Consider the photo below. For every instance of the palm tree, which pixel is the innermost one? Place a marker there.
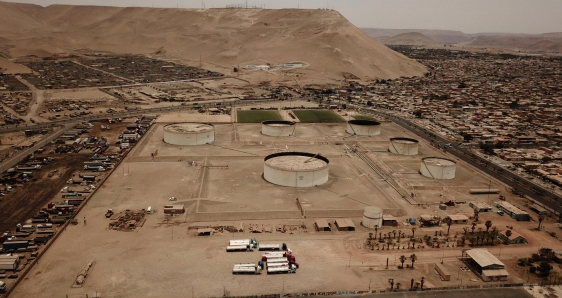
(472, 240)
(398, 285)
(465, 229)
(494, 234)
(413, 231)
(476, 215)
(473, 226)
(449, 222)
(394, 232)
(413, 257)
(376, 230)
(508, 233)
(421, 282)
(388, 242)
(391, 282)
(402, 260)
(413, 242)
(541, 218)
(488, 225)
(479, 230)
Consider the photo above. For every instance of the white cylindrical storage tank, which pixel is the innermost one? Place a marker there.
(189, 134)
(438, 168)
(296, 169)
(403, 146)
(278, 128)
(372, 216)
(363, 127)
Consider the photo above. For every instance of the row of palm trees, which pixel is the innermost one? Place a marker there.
(417, 284)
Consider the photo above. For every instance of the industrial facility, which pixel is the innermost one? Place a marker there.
(438, 168)
(296, 169)
(189, 134)
(403, 146)
(278, 128)
(372, 216)
(363, 127)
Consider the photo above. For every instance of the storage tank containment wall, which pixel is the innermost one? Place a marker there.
(403, 146)
(364, 127)
(438, 168)
(277, 128)
(189, 134)
(296, 169)
(372, 216)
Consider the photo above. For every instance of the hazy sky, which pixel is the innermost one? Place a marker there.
(469, 16)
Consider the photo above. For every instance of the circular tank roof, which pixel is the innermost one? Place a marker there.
(404, 140)
(278, 123)
(364, 122)
(188, 127)
(438, 161)
(296, 161)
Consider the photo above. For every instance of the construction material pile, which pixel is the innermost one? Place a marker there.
(127, 220)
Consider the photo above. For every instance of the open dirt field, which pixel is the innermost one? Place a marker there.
(141, 262)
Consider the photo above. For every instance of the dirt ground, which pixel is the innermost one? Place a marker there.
(140, 263)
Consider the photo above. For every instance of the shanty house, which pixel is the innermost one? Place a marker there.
(458, 218)
(514, 238)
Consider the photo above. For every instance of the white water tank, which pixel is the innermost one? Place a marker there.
(372, 216)
(296, 169)
(278, 128)
(363, 127)
(403, 146)
(438, 168)
(189, 134)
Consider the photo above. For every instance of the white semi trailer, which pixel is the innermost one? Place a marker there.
(281, 268)
(246, 268)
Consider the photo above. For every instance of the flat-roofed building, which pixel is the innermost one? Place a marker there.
(485, 264)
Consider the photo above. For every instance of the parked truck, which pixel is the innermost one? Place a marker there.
(232, 248)
(281, 268)
(75, 201)
(14, 245)
(30, 168)
(246, 268)
(94, 168)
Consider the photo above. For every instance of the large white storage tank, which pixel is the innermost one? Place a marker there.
(296, 169)
(363, 127)
(438, 168)
(403, 146)
(372, 216)
(189, 134)
(278, 128)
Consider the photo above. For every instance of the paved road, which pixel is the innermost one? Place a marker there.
(469, 293)
(17, 158)
(538, 193)
(138, 112)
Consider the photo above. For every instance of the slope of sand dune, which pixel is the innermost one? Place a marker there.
(222, 37)
(410, 38)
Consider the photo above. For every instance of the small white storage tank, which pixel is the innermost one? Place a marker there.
(278, 128)
(403, 146)
(372, 216)
(438, 168)
(189, 134)
(296, 169)
(363, 127)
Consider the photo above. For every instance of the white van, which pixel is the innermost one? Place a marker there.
(149, 210)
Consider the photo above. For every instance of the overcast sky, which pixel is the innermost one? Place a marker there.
(469, 16)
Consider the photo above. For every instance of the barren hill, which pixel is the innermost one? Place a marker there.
(443, 36)
(550, 42)
(219, 37)
(410, 38)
